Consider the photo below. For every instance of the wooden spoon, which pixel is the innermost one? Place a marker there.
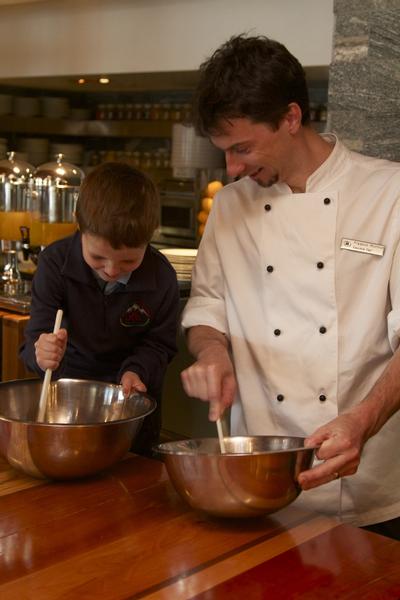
(221, 437)
(47, 377)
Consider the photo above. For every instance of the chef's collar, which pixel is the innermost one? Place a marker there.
(331, 169)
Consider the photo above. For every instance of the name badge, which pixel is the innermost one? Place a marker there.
(364, 247)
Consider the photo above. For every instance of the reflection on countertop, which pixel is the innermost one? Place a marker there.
(16, 296)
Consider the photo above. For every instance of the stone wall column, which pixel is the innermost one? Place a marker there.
(364, 77)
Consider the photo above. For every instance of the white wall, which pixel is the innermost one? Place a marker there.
(61, 37)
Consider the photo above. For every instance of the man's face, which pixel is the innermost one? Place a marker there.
(254, 149)
(109, 263)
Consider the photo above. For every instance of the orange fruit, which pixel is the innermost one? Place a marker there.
(206, 204)
(202, 216)
(213, 187)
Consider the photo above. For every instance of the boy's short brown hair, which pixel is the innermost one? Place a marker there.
(120, 204)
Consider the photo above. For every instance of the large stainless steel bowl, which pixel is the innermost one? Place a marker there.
(88, 426)
(256, 475)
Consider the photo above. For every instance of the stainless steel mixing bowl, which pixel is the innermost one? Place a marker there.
(256, 475)
(88, 426)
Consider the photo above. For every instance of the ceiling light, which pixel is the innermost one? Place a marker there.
(81, 81)
(104, 80)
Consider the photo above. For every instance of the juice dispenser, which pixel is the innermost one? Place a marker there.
(16, 180)
(55, 192)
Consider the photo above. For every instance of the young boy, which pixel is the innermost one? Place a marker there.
(119, 295)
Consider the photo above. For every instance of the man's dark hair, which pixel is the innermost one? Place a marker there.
(252, 77)
(120, 204)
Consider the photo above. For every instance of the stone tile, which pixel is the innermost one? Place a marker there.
(348, 86)
(352, 25)
(349, 123)
(384, 35)
(356, 7)
(385, 128)
(364, 77)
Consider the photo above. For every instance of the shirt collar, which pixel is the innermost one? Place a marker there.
(331, 169)
(122, 279)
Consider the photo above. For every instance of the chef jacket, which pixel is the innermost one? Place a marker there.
(131, 329)
(306, 286)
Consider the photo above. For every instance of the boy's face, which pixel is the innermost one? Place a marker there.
(109, 263)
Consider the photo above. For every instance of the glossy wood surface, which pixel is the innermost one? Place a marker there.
(13, 327)
(126, 534)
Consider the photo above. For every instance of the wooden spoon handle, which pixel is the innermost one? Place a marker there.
(47, 376)
(221, 437)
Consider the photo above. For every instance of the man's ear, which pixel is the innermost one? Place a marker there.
(293, 117)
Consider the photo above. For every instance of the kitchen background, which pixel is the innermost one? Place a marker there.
(98, 81)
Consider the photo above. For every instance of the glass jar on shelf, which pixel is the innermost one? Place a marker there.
(322, 113)
(146, 162)
(155, 112)
(146, 111)
(138, 111)
(128, 157)
(176, 112)
(165, 158)
(120, 112)
(313, 112)
(101, 112)
(165, 111)
(129, 112)
(110, 156)
(94, 158)
(110, 112)
(157, 159)
(186, 112)
(136, 159)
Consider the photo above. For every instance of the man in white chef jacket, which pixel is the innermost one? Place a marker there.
(294, 314)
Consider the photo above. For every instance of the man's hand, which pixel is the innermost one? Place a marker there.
(50, 349)
(341, 440)
(339, 443)
(131, 382)
(212, 379)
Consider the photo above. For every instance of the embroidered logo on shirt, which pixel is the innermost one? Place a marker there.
(136, 315)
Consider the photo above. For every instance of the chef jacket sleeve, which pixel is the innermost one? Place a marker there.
(206, 305)
(393, 319)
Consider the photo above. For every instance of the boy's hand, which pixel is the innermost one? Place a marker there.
(132, 383)
(50, 349)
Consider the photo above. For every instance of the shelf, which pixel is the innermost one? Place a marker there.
(65, 127)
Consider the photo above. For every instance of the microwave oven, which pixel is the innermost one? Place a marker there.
(179, 205)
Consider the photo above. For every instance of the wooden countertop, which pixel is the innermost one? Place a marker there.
(126, 534)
